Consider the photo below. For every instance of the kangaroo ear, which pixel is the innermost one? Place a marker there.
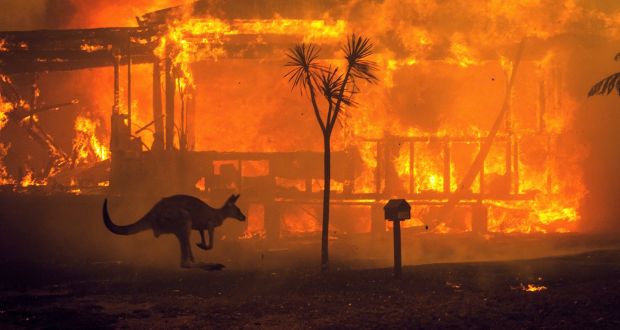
(235, 197)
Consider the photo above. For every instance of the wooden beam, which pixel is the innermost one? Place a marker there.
(170, 89)
(158, 116)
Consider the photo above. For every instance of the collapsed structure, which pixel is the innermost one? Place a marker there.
(518, 185)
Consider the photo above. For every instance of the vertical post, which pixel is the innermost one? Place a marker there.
(397, 255)
(272, 219)
(515, 165)
(481, 177)
(547, 160)
(157, 109)
(240, 175)
(542, 107)
(377, 224)
(509, 119)
(508, 174)
(115, 122)
(411, 167)
(191, 119)
(117, 98)
(446, 167)
(182, 127)
(129, 86)
(388, 166)
(170, 89)
(379, 168)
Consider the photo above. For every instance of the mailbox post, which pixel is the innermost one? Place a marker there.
(397, 210)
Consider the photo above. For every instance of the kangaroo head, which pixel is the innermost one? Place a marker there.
(232, 211)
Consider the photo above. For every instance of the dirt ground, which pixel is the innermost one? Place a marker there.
(581, 292)
(61, 268)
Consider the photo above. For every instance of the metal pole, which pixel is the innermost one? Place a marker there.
(397, 256)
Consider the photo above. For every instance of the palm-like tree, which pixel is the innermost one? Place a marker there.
(337, 89)
(607, 85)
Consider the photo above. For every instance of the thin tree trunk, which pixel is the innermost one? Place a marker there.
(326, 192)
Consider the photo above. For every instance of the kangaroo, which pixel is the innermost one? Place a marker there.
(178, 215)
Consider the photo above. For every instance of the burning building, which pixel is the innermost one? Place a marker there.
(191, 99)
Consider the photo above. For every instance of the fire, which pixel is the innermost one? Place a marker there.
(4, 176)
(86, 145)
(462, 55)
(300, 220)
(191, 39)
(533, 288)
(312, 30)
(91, 48)
(4, 108)
(29, 180)
(256, 222)
(431, 88)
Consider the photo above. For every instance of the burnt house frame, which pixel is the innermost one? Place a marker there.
(62, 50)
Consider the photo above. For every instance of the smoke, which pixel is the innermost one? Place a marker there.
(22, 15)
(440, 72)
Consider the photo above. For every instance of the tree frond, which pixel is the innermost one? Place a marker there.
(302, 61)
(606, 85)
(356, 51)
(330, 83)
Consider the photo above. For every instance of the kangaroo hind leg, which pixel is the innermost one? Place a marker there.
(202, 243)
(187, 258)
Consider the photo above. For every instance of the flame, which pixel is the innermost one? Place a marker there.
(29, 180)
(550, 177)
(533, 288)
(256, 222)
(4, 108)
(91, 48)
(300, 220)
(191, 39)
(4, 176)
(312, 30)
(462, 55)
(86, 146)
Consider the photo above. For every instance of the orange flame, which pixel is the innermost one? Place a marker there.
(86, 145)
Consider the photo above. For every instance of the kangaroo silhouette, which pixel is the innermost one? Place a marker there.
(178, 215)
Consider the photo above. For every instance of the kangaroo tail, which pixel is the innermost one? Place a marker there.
(134, 228)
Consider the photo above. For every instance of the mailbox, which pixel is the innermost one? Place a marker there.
(397, 210)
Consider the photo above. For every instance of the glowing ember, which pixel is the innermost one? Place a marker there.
(4, 176)
(29, 180)
(256, 222)
(533, 288)
(91, 48)
(4, 108)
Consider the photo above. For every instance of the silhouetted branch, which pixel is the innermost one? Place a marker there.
(607, 85)
(304, 73)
